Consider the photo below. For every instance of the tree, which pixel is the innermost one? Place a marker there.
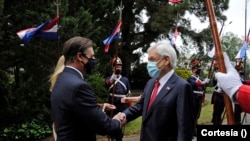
(231, 44)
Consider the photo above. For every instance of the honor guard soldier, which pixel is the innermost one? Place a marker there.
(237, 109)
(118, 87)
(198, 84)
(217, 99)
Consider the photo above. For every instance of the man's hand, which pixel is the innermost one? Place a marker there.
(109, 107)
(206, 81)
(217, 88)
(113, 77)
(121, 117)
(230, 81)
(130, 99)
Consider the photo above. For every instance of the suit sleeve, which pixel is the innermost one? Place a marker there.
(185, 112)
(244, 98)
(135, 111)
(86, 106)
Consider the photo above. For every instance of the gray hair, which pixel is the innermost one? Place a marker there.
(164, 48)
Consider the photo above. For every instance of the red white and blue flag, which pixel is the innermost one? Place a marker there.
(115, 35)
(175, 35)
(211, 52)
(45, 30)
(242, 52)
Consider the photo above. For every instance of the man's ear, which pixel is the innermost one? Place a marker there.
(167, 60)
(80, 57)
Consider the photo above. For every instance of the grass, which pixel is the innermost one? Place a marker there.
(133, 127)
(206, 113)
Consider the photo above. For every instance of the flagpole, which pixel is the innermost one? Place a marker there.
(117, 44)
(246, 36)
(57, 3)
(219, 55)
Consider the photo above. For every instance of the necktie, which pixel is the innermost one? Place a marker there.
(154, 94)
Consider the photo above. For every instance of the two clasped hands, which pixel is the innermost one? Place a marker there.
(121, 117)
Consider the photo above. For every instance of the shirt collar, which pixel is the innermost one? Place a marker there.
(76, 70)
(166, 77)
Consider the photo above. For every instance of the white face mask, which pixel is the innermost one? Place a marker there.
(153, 70)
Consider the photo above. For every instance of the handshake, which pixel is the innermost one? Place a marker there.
(121, 117)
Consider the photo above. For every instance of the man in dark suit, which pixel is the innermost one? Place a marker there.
(171, 115)
(76, 113)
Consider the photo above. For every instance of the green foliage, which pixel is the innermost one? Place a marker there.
(184, 73)
(33, 130)
(139, 76)
(209, 90)
(97, 82)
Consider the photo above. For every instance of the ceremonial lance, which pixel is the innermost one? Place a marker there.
(219, 56)
(117, 44)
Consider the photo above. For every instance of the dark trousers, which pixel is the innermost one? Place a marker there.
(198, 105)
(237, 113)
(119, 108)
(218, 107)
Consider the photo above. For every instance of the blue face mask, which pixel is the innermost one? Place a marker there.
(153, 70)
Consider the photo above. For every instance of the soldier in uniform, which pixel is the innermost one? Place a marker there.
(217, 99)
(198, 84)
(118, 87)
(237, 109)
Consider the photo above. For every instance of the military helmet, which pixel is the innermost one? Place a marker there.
(239, 66)
(116, 61)
(196, 64)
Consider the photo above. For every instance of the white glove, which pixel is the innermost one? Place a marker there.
(113, 77)
(206, 81)
(217, 88)
(230, 81)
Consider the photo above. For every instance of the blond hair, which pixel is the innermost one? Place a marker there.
(59, 68)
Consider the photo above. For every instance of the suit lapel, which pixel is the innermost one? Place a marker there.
(148, 95)
(163, 92)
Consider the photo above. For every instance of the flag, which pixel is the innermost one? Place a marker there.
(176, 1)
(50, 30)
(175, 35)
(211, 52)
(115, 34)
(242, 52)
(45, 30)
